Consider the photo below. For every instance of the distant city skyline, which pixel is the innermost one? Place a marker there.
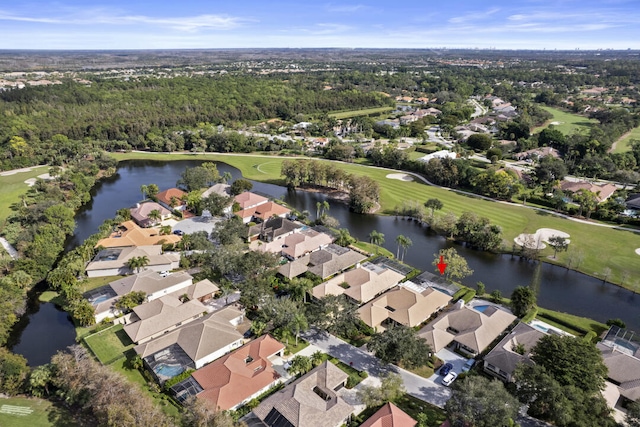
(519, 24)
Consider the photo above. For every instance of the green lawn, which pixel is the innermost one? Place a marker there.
(623, 144)
(602, 247)
(568, 123)
(37, 413)
(109, 344)
(13, 186)
(96, 282)
(363, 112)
(566, 321)
(373, 249)
(168, 406)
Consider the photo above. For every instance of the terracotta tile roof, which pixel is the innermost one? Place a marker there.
(230, 380)
(166, 195)
(301, 404)
(389, 416)
(263, 211)
(248, 200)
(130, 234)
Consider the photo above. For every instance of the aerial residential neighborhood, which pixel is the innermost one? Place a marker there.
(259, 214)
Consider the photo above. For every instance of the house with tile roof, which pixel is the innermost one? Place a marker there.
(514, 349)
(248, 200)
(172, 199)
(403, 305)
(361, 284)
(150, 282)
(602, 192)
(263, 212)
(294, 245)
(140, 214)
(113, 261)
(620, 350)
(234, 379)
(312, 400)
(272, 229)
(202, 341)
(155, 318)
(324, 263)
(130, 234)
(389, 416)
(469, 330)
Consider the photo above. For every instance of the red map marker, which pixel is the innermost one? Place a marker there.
(441, 265)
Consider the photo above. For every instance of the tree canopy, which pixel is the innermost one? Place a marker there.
(400, 345)
(479, 402)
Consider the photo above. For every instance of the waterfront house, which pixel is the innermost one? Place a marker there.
(130, 234)
(140, 214)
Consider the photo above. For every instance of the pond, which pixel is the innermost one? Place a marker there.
(558, 288)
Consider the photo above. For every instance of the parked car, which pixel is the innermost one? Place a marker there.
(449, 378)
(165, 273)
(446, 368)
(468, 365)
(178, 232)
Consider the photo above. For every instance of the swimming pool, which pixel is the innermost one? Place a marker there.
(101, 298)
(480, 308)
(168, 370)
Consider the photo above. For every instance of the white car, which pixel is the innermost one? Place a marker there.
(449, 378)
(165, 273)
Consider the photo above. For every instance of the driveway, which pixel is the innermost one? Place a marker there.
(449, 356)
(417, 386)
(195, 224)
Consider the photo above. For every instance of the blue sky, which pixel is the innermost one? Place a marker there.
(146, 24)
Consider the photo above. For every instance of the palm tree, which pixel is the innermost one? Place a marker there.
(344, 237)
(174, 201)
(138, 262)
(403, 242)
(376, 238)
(144, 189)
(298, 324)
(226, 177)
(318, 206)
(300, 365)
(317, 358)
(325, 207)
(165, 230)
(155, 215)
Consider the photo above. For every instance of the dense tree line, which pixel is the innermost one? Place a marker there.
(145, 112)
(363, 191)
(38, 228)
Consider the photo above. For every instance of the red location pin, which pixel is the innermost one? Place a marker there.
(441, 265)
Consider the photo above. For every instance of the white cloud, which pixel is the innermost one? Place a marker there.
(474, 16)
(99, 16)
(345, 8)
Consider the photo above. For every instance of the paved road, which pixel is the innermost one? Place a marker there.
(13, 253)
(415, 385)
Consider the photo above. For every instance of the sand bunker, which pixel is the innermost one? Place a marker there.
(638, 251)
(400, 176)
(555, 123)
(539, 238)
(44, 176)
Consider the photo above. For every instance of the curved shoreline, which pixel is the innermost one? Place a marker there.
(145, 155)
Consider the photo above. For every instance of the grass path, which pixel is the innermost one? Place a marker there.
(357, 113)
(12, 186)
(603, 246)
(568, 123)
(624, 143)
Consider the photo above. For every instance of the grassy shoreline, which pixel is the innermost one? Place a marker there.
(602, 247)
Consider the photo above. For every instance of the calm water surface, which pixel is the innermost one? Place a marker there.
(559, 289)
